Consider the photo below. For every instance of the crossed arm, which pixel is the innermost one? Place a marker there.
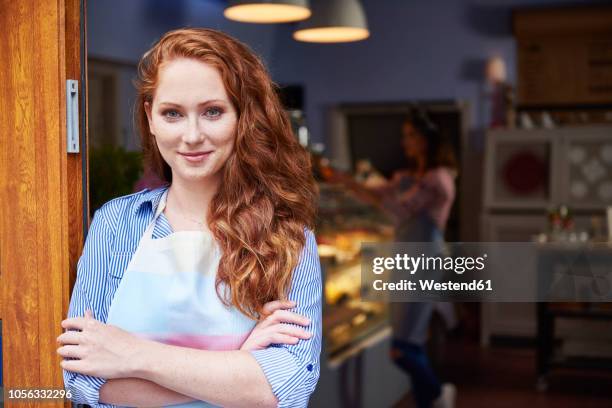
(136, 392)
(232, 379)
(128, 370)
(145, 372)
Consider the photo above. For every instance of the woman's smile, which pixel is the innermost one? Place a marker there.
(196, 157)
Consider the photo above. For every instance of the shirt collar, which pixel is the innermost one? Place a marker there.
(150, 196)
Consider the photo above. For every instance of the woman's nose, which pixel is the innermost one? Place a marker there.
(194, 132)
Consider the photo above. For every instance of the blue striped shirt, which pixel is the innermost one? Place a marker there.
(114, 234)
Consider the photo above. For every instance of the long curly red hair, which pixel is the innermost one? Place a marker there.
(268, 194)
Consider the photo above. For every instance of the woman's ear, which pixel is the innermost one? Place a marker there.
(147, 108)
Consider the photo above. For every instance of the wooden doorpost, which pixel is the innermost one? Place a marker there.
(41, 186)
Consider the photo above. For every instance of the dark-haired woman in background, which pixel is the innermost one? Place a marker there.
(421, 198)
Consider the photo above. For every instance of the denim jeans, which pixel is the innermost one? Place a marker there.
(413, 360)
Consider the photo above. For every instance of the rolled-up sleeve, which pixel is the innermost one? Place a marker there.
(88, 293)
(293, 370)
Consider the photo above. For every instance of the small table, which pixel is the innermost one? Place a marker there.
(581, 259)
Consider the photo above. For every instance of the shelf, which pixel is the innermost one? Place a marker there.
(586, 363)
(581, 314)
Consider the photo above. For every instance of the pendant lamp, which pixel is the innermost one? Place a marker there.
(279, 11)
(334, 21)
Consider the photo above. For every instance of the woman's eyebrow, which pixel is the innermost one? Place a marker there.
(167, 103)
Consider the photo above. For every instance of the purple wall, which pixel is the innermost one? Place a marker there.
(124, 30)
(418, 50)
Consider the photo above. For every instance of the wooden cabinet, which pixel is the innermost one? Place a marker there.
(564, 56)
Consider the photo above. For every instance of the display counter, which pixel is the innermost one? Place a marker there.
(344, 222)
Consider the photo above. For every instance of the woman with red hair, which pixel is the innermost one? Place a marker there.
(206, 291)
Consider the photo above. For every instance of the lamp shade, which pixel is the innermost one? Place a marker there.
(334, 21)
(279, 11)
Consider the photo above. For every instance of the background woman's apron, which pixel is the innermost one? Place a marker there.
(167, 294)
(410, 320)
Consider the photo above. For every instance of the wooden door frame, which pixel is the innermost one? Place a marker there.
(43, 189)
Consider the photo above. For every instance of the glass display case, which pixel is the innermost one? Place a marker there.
(345, 222)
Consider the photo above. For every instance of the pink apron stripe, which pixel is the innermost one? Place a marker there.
(202, 342)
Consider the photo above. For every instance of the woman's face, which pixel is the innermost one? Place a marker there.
(192, 119)
(413, 142)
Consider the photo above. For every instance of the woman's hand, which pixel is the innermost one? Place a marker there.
(102, 350)
(273, 327)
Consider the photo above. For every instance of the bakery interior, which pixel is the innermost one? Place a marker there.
(523, 91)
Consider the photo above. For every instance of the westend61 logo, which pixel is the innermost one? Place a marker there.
(413, 264)
(486, 272)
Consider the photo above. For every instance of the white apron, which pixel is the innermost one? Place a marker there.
(167, 294)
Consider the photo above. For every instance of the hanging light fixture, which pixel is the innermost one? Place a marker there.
(334, 21)
(279, 11)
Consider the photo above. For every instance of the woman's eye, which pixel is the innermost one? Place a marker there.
(172, 114)
(213, 112)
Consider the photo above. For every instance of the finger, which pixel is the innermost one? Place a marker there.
(279, 338)
(70, 351)
(73, 365)
(274, 305)
(285, 316)
(89, 314)
(69, 337)
(74, 323)
(292, 331)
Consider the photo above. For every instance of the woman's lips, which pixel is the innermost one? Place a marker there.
(195, 157)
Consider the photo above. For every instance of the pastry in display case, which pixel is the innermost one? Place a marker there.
(344, 222)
